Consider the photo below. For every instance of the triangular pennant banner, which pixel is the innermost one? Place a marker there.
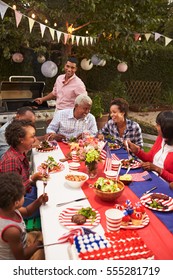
(18, 17)
(65, 38)
(83, 40)
(3, 8)
(42, 28)
(156, 36)
(77, 40)
(167, 41)
(58, 33)
(52, 32)
(147, 36)
(72, 39)
(87, 40)
(136, 36)
(31, 24)
(91, 40)
(117, 33)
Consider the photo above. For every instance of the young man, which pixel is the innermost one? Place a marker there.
(66, 88)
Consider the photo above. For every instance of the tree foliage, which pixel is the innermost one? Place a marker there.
(101, 19)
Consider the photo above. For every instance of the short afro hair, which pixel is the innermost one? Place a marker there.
(11, 189)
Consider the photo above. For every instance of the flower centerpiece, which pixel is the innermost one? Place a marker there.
(89, 150)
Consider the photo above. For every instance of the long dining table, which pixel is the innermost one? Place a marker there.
(157, 235)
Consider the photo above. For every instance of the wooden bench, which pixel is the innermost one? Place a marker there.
(148, 139)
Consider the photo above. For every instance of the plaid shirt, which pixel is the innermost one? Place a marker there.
(13, 161)
(132, 132)
(65, 123)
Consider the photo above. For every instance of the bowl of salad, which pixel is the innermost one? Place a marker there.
(108, 189)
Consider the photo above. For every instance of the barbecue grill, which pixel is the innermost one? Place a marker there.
(21, 91)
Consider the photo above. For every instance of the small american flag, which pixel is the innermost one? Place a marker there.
(108, 161)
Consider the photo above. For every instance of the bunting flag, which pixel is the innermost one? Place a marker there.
(157, 36)
(87, 40)
(31, 24)
(52, 32)
(3, 8)
(65, 38)
(136, 36)
(18, 17)
(147, 36)
(58, 34)
(91, 40)
(42, 28)
(167, 41)
(83, 40)
(72, 39)
(77, 40)
(117, 33)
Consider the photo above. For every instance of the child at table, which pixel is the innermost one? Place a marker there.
(13, 236)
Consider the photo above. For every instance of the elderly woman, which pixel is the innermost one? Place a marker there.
(20, 136)
(119, 126)
(160, 157)
(71, 123)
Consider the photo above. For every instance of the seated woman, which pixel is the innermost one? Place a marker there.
(160, 157)
(20, 136)
(119, 126)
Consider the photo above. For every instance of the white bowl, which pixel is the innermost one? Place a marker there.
(74, 183)
(74, 165)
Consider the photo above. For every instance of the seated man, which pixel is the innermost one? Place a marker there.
(71, 123)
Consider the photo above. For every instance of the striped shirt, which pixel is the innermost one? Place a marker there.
(132, 132)
(66, 124)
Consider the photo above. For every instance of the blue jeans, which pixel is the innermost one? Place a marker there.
(29, 198)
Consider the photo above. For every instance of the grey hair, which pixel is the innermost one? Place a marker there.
(83, 99)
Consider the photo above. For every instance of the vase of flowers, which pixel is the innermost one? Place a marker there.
(91, 161)
(92, 168)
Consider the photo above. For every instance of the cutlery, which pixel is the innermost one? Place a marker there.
(128, 169)
(118, 172)
(75, 200)
(128, 151)
(150, 190)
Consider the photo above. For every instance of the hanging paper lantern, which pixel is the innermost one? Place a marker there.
(95, 59)
(49, 69)
(86, 64)
(122, 67)
(41, 58)
(102, 62)
(17, 57)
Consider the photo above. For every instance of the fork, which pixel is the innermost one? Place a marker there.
(128, 151)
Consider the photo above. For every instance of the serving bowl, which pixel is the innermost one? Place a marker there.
(110, 196)
(76, 179)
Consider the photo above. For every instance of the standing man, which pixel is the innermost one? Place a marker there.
(66, 88)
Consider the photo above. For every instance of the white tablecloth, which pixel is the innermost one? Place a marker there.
(58, 192)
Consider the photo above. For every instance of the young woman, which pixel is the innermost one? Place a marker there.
(119, 126)
(13, 237)
(160, 157)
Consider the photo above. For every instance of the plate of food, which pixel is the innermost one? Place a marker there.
(114, 146)
(46, 146)
(158, 202)
(50, 166)
(130, 162)
(75, 217)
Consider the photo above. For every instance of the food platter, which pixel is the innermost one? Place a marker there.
(146, 200)
(47, 146)
(114, 146)
(56, 169)
(145, 222)
(66, 215)
(133, 165)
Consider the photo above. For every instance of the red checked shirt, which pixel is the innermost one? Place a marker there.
(13, 161)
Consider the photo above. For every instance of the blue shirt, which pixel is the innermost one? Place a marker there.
(132, 132)
(66, 124)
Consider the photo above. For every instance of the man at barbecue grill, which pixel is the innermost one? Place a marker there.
(23, 113)
(66, 88)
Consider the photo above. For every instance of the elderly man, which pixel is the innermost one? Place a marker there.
(71, 123)
(23, 113)
(66, 88)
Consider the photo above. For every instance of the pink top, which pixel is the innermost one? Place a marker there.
(66, 92)
(158, 146)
